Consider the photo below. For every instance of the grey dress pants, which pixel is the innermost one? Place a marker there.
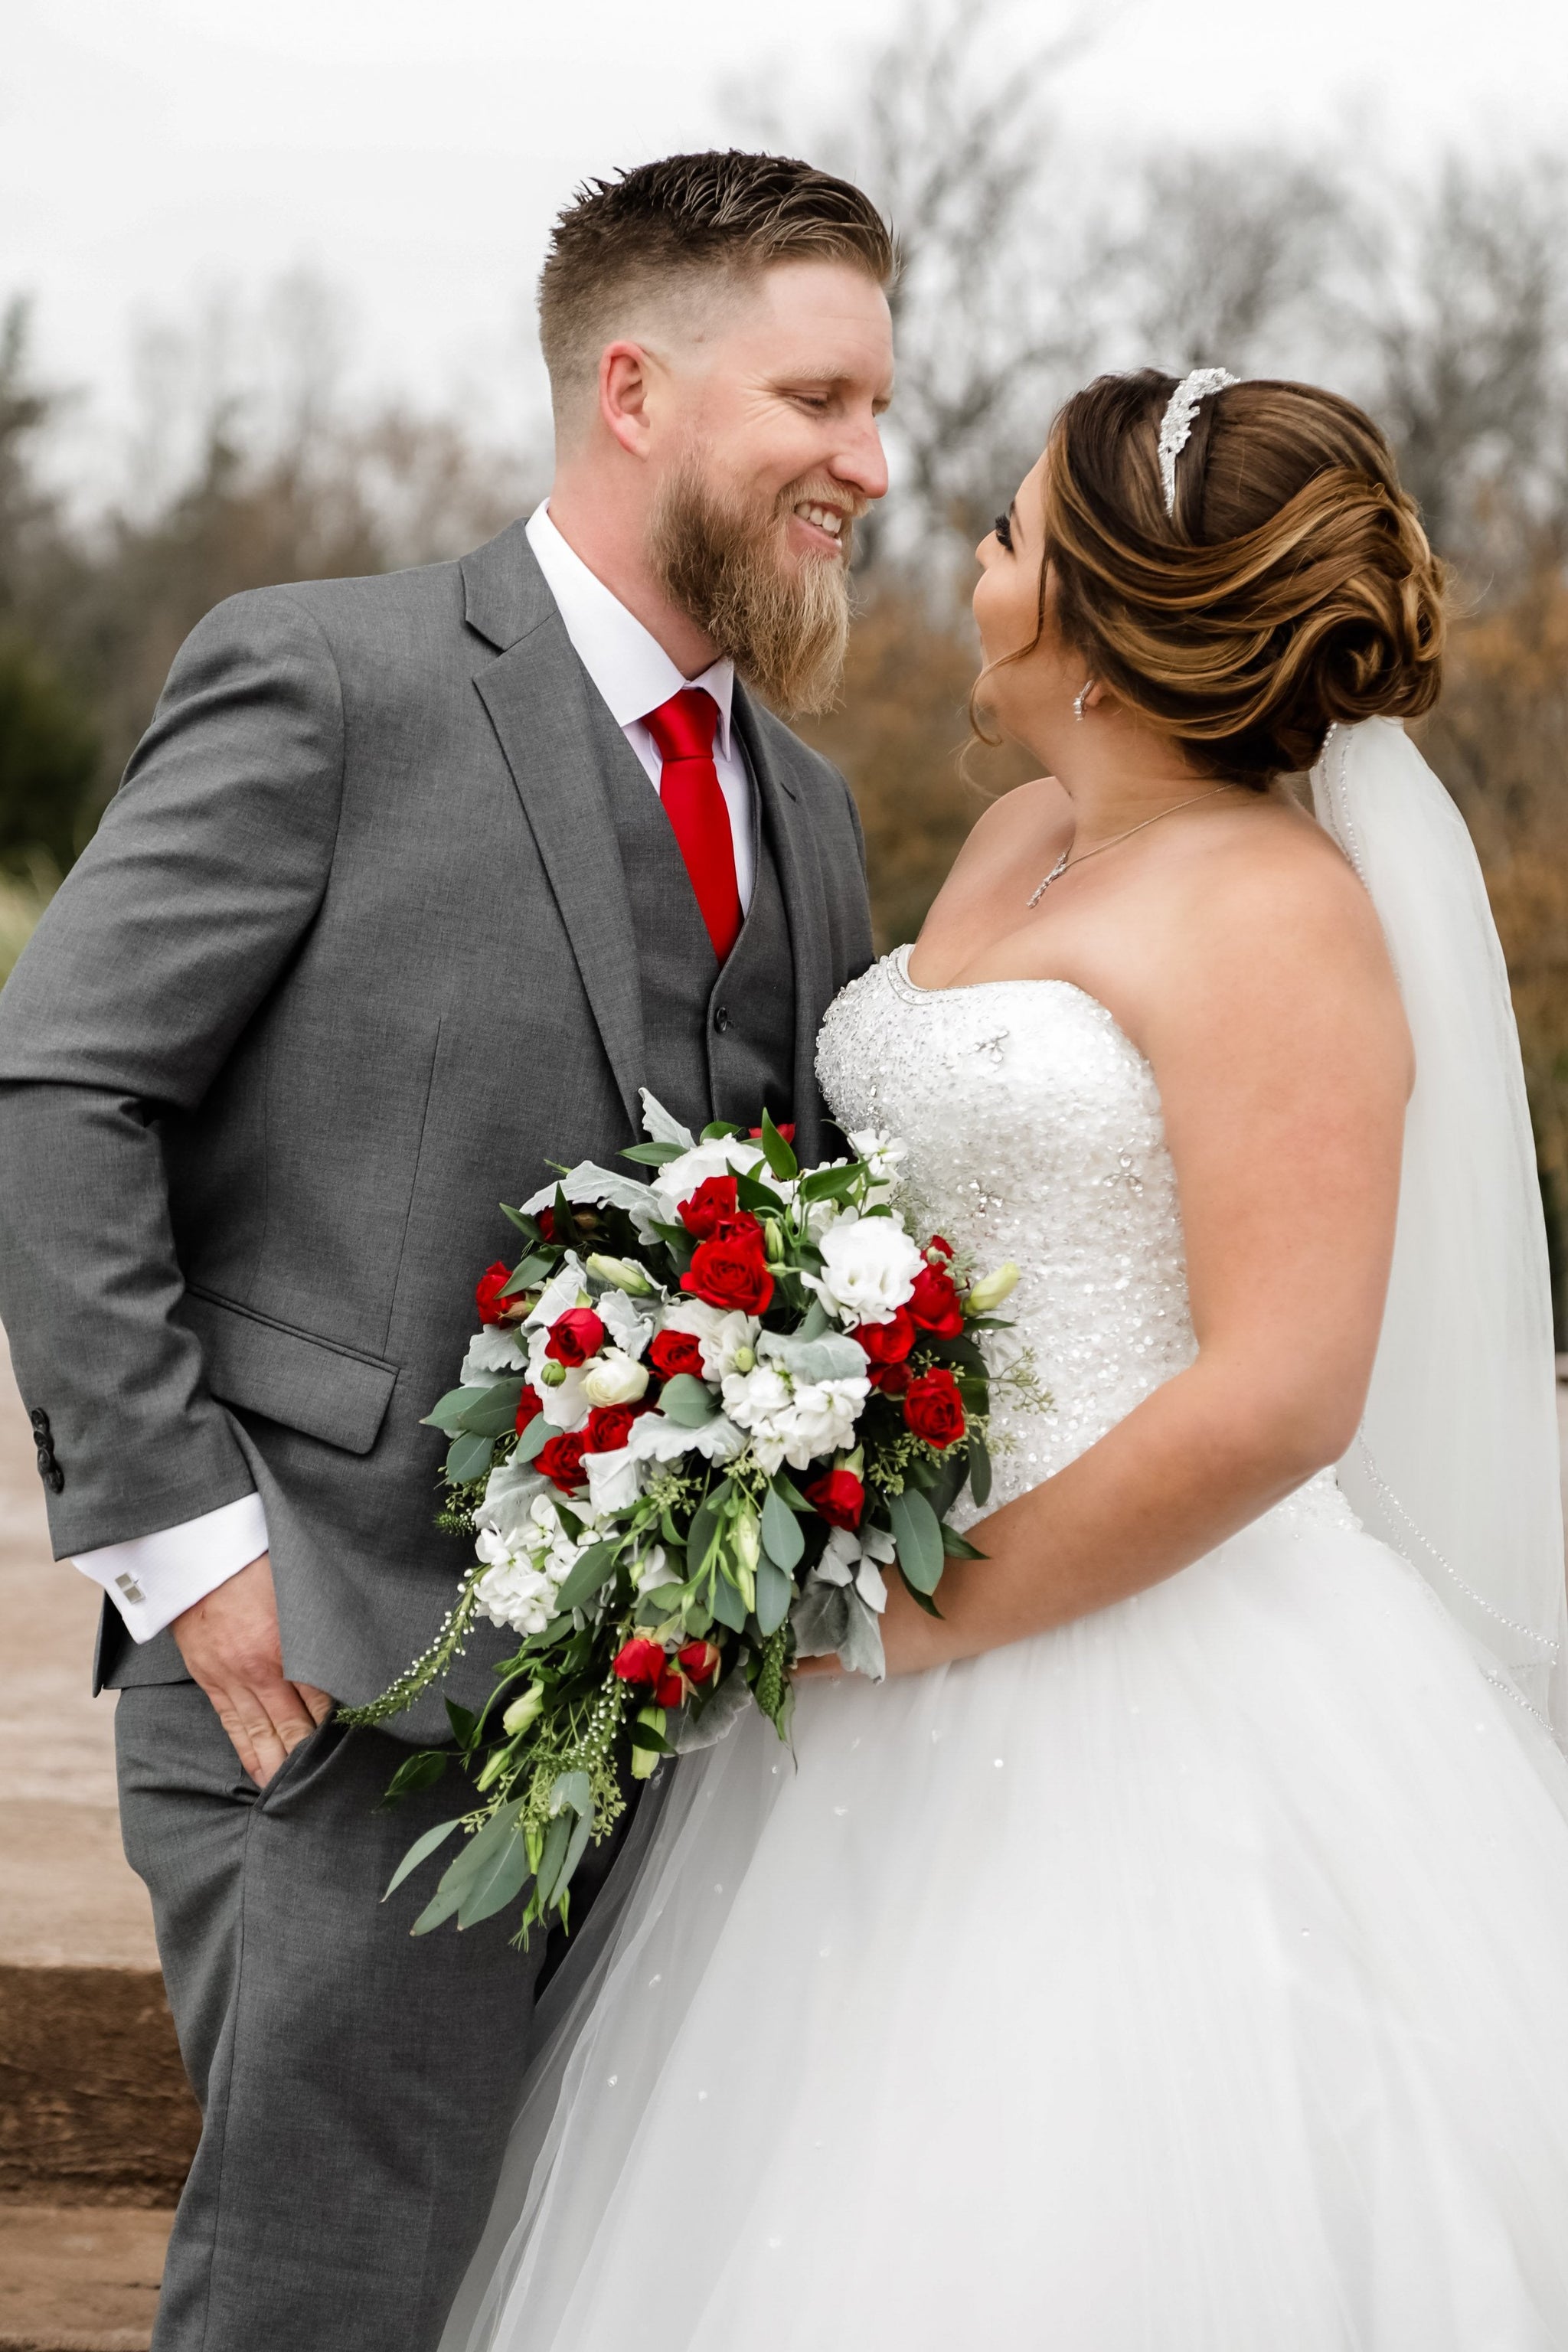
(357, 2086)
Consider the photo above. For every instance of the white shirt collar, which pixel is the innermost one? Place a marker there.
(627, 662)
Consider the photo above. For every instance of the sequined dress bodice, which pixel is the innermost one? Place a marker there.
(1033, 1133)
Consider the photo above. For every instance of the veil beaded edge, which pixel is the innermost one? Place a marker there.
(1456, 1464)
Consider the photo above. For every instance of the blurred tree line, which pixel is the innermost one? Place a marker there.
(1439, 300)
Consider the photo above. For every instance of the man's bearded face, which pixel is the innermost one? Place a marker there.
(725, 561)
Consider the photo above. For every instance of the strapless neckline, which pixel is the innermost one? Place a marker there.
(897, 966)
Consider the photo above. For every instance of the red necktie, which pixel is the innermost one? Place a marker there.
(683, 728)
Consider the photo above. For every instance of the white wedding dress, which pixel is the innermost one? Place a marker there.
(1193, 1978)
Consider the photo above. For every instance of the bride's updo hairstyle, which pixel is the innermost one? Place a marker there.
(1292, 587)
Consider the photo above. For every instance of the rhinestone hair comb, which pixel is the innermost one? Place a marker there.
(1175, 428)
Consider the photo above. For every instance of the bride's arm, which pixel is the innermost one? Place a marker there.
(1278, 1044)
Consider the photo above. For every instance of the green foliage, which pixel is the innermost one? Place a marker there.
(48, 760)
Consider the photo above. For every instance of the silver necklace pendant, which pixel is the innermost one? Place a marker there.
(1059, 868)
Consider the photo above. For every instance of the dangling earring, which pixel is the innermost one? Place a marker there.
(1080, 698)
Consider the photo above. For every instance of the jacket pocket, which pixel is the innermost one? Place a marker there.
(308, 1383)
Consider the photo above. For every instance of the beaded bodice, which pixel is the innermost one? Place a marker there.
(1033, 1132)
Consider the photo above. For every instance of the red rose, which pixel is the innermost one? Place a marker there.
(560, 1459)
(704, 1211)
(730, 1272)
(528, 1407)
(893, 1379)
(668, 1691)
(574, 1336)
(699, 1661)
(887, 1343)
(839, 1498)
(488, 1292)
(935, 1304)
(787, 1129)
(942, 1248)
(673, 1352)
(609, 1426)
(933, 1408)
(641, 1661)
(545, 1220)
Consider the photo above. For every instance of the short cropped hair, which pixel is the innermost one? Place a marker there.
(682, 219)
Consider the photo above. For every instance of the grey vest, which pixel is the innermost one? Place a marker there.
(717, 1044)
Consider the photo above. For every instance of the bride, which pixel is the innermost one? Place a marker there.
(1171, 1954)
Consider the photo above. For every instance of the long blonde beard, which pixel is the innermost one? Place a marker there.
(785, 628)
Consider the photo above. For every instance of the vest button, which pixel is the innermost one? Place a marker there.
(721, 1018)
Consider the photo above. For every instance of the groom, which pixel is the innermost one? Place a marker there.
(412, 884)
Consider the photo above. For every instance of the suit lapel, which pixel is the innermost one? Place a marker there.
(800, 879)
(556, 735)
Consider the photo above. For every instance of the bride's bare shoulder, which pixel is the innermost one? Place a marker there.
(1029, 820)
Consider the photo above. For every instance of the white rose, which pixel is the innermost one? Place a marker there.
(614, 1377)
(822, 1419)
(869, 1266)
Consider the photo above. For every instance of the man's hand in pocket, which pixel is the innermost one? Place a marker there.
(231, 1646)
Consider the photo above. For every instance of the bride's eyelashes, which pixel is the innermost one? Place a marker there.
(1003, 527)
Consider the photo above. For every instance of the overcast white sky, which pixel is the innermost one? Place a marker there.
(413, 151)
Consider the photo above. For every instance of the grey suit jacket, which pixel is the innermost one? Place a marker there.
(349, 957)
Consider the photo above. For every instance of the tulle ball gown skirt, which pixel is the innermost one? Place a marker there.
(1193, 1979)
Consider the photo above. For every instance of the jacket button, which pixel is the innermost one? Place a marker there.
(721, 1018)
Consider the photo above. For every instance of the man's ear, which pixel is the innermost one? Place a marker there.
(623, 396)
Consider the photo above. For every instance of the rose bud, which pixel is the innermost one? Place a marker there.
(615, 1378)
(839, 1498)
(646, 1761)
(609, 1426)
(488, 1292)
(787, 1129)
(703, 1212)
(699, 1661)
(673, 1352)
(992, 1289)
(933, 1408)
(574, 1336)
(668, 1691)
(893, 1379)
(622, 1274)
(529, 1408)
(552, 1375)
(935, 1304)
(524, 1711)
(560, 1460)
(731, 1273)
(641, 1661)
(545, 1220)
(890, 1343)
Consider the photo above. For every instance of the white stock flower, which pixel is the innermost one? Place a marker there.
(525, 1567)
(869, 1266)
(721, 1331)
(615, 1378)
(823, 1417)
(881, 1153)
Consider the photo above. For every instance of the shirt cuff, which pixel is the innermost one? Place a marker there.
(154, 1579)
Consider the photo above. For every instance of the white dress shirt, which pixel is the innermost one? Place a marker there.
(154, 1579)
(635, 675)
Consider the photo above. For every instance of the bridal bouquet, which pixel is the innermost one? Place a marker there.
(703, 1418)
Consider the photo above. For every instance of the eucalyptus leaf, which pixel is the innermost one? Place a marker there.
(726, 1604)
(494, 1886)
(494, 1413)
(704, 1525)
(592, 1573)
(448, 1411)
(687, 1401)
(782, 1537)
(917, 1532)
(572, 1790)
(420, 1851)
(557, 1840)
(979, 1469)
(468, 1457)
(775, 1590)
(535, 1438)
(441, 1906)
